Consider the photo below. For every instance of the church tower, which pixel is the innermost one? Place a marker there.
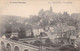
(51, 9)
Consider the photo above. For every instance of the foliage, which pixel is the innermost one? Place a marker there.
(21, 33)
(13, 23)
(15, 38)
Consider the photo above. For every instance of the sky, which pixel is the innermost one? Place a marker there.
(25, 8)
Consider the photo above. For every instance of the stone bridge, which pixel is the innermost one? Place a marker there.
(11, 45)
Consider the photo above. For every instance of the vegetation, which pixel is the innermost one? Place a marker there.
(21, 25)
(15, 38)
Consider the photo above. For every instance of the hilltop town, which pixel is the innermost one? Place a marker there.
(47, 29)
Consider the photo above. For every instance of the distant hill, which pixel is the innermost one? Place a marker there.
(43, 19)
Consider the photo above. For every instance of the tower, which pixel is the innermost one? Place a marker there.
(51, 9)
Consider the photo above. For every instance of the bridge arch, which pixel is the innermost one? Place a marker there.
(16, 48)
(26, 50)
(8, 47)
(3, 48)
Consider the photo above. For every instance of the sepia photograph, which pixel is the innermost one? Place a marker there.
(39, 25)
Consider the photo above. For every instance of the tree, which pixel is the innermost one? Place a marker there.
(8, 30)
(32, 35)
(48, 42)
(37, 43)
(44, 22)
(15, 38)
(22, 33)
(34, 19)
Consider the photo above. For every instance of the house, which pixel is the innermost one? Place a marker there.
(3, 36)
(14, 34)
(28, 32)
(37, 31)
(52, 29)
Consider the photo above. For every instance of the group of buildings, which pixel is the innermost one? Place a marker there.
(52, 32)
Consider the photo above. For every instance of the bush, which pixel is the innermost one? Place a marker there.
(15, 38)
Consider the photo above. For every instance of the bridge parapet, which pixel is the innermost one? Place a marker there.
(20, 45)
